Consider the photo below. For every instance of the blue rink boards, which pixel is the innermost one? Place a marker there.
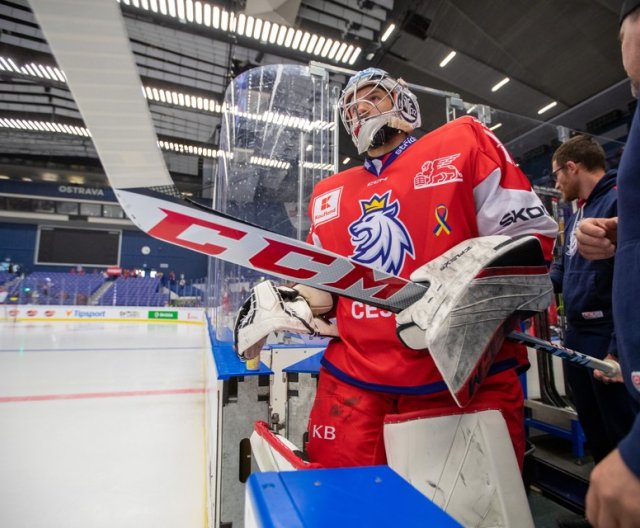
(351, 497)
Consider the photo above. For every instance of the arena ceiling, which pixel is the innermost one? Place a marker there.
(563, 52)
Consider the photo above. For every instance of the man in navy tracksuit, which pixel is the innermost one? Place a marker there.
(614, 492)
(604, 409)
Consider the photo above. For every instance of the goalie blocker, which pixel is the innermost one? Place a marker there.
(477, 291)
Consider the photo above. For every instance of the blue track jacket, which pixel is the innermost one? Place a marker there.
(626, 283)
(586, 285)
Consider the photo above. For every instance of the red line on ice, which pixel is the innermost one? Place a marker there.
(94, 395)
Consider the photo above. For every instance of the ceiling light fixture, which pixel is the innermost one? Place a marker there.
(496, 126)
(268, 162)
(49, 176)
(387, 32)
(317, 166)
(548, 107)
(447, 59)
(76, 179)
(43, 126)
(346, 160)
(287, 121)
(181, 99)
(500, 84)
(32, 70)
(209, 15)
(353, 57)
(153, 94)
(72, 130)
(195, 150)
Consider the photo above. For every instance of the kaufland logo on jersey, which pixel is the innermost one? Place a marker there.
(326, 206)
(635, 379)
(437, 172)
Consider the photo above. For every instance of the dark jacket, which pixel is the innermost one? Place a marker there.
(626, 291)
(586, 285)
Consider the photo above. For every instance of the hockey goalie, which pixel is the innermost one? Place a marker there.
(461, 459)
(451, 210)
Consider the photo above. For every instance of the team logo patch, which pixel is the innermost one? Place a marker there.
(442, 213)
(437, 172)
(380, 239)
(326, 206)
(635, 379)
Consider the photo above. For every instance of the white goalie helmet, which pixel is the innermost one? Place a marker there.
(361, 114)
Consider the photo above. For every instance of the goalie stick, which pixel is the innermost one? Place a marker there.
(103, 78)
(213, 233)
(610, 368)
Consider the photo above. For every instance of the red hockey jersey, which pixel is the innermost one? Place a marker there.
(401, 211)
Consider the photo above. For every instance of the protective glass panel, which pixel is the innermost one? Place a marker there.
(277, 143)
(532, 142)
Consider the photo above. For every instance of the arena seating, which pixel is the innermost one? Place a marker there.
(134, 292)
(43, 287)
(5, 276)
(58, 288)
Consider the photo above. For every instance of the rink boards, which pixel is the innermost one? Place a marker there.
(134, 314)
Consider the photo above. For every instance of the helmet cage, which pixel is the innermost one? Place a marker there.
(355, 111)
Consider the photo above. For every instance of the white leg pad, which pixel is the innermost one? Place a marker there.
(273, 452)
(464, 463)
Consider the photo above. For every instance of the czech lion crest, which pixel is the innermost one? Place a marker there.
(380, 239)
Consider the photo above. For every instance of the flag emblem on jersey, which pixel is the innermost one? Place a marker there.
(442, 213)
(326, 206)
(380, 239)
(437, 172)
(373, 165)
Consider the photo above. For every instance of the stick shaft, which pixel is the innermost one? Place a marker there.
(610, 369)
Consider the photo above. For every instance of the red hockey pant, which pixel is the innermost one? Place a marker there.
(346, 422)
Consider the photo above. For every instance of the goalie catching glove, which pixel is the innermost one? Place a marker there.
(273, 309)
